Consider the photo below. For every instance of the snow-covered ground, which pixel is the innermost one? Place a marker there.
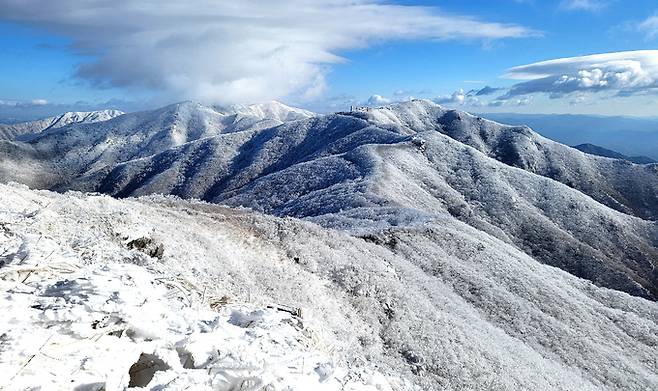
(108, 327)
(93, 286)
(71, 321)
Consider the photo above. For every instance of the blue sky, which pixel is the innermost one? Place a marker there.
(139, 57)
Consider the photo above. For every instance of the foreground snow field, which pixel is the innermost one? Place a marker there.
(99, 293)
(73, 323)
(116, 326)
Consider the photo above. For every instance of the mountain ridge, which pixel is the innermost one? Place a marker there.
(600, 151)
(345, 170)
(30, 128)
(628, 135)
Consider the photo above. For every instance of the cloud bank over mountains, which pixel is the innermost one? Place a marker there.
(622, 73)
(229, 52)
(618, 74)
(257, 51)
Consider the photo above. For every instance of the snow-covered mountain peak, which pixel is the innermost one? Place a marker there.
(13, 131)
(277, 110)
(86, 117)
(273, 110)
(412, 116)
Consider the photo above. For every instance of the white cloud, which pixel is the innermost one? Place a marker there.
(514, 102)
(578, 100)
(460, 98)
(486, 90)
(582, 5)
(649, 27)
(623, 73)
(377, 100)
(235, 51)
(457, 98)
(23, 104)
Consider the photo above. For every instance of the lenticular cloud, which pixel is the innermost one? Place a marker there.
(230, 52)
(623, 73)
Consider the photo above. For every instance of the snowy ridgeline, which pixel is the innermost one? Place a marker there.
(31, 128)
(399, 165)
(455, 265)
(101, 293)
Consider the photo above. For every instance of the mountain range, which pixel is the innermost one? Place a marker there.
(631, 136)
(384, 167)
(466, 246)
(600, 151)
(26, 129)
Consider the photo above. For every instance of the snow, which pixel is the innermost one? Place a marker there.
(439, 305)
(71, 322)
(88, 326)
(394, 166)
(425, 248)
(623, 186)
(25, 130)
(272, 110)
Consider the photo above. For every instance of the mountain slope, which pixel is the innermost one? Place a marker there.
(623, 186)
(82, 149)
(628, 135)
(401, 165)
(410, 182)
(26, 129)
(441, 304)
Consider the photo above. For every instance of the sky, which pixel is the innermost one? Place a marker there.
(523, 56)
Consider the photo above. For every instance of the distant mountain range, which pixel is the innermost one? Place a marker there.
(631, 136)
(23, 129)
(600, 151)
